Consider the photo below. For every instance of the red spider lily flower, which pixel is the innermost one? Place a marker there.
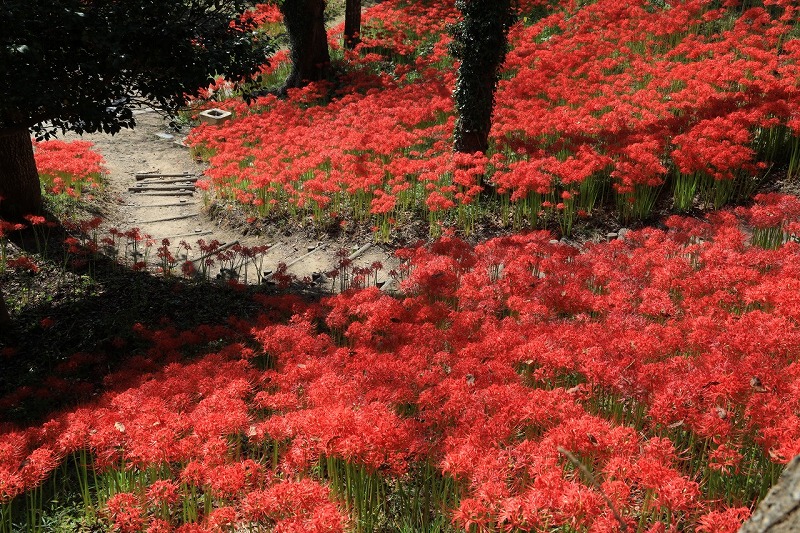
(158, 525)
(163, 492)
(35, 220)
(125, 513)
(193, 528)
(726, 521)
(222, 518)
(38, 466)
(23, 263)
(7, 227)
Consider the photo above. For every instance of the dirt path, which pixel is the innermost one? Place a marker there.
(179, 214)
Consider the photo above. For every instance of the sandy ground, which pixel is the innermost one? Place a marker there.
(180, 214)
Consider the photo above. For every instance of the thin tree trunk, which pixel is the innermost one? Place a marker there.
(473, 125)
(19, 180)
(352, 23)
(308, 41)
(480, 42)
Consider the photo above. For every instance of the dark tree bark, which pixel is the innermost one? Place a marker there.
(308, 41)
(481, 43)
(19, 181)
(352, 23)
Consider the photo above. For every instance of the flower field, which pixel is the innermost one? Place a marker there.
(647, 382)
(600, 104)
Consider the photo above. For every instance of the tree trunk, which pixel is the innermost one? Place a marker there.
(475, 120)
(779, 512)
(352, 23)
(308, 41)
(19, 181)
(480, 42)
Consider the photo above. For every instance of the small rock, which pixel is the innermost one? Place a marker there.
(611, 236)
(165, 136)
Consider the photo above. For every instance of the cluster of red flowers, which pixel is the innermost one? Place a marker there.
(692, 88)
(382, 127)
(68, 167)
(608, 98)
(650, 380)
(263, 14)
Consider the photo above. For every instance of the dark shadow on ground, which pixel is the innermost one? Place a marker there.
(75, 324)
